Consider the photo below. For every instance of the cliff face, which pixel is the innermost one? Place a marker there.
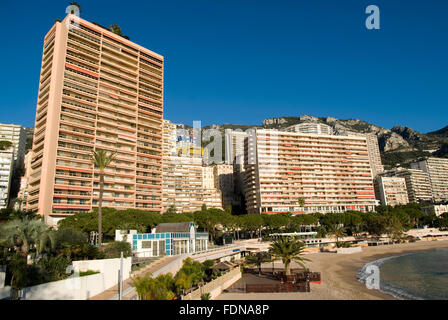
(387, 139)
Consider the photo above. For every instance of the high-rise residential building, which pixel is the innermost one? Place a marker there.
(374, 150)
(234, 146)
(437, 169)
(418, 184)
(208, 177)
(17, 135)
(224, 182)
(182, 183)
(23, 191)
(6, 168)
(169, 138)
(212, 198)
(391, 191)
(374, 154)
(310, 127)
(330, 173)
(97, 91)
(187, 185)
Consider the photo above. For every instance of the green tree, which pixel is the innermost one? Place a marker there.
(301, 202)
(258, 259)
(4, 145)
(192, 272)
(337, 231)
(251, 223)
(394, 229)
(24, 234)
(149, 288)
(206, 296)
(115, 28)
(101, 160)
(288, 249)
(172, 209)
(114, 249)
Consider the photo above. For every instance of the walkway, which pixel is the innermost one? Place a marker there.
(128, 292)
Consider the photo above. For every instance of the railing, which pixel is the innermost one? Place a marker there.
(214, 284)
(281, 287)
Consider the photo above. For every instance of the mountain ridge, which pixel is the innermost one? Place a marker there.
(398, 146)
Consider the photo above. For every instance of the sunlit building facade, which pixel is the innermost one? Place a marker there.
(437, 169)
(391, 191)
(97, 91)
(330, 173)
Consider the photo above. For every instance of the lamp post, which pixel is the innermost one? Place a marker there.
(120, 294)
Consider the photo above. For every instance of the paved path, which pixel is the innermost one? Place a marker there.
(128, 292)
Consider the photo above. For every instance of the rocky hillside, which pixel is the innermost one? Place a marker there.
(399, 145)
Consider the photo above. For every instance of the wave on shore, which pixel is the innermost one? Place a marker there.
(385, 286)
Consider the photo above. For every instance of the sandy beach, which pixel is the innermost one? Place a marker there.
(339, 274)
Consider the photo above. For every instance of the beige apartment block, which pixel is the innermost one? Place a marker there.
(23, 191)
(374, 154)
(418, 184)
(97, 91)
(184, 185)
(6, 167)
(331, 173)
(224, 181)
(437, 169)
(391, 191)
(310, 127)
(208, 177)
(169, 138)
(234, 146)
(17, 135)
(212, 198)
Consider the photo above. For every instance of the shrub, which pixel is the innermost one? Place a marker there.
(206, 296)
(88, 273)
(54, 267)
(114, 249)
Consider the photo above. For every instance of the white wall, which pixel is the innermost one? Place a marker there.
(81, 288)
(2, 279)
(109, 267)
(5, 292)
(349, 250)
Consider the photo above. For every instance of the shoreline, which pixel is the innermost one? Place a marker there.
(339, 274)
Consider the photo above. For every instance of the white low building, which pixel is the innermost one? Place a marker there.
(166, 239)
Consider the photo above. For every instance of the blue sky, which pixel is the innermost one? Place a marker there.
(241, 61)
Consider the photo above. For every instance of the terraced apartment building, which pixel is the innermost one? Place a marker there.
(97, 91)
(437, 169)
(391, 191)
(418, 185)
(331, 173)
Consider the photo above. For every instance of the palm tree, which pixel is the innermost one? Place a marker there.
(149, 288)
(23, 234)
(101, 160)
(337, 230)
(258, 259)
(301, 202)
(288, 249)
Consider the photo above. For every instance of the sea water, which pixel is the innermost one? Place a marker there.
(419, 275)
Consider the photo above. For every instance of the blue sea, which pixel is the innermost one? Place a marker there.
(419, 275)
